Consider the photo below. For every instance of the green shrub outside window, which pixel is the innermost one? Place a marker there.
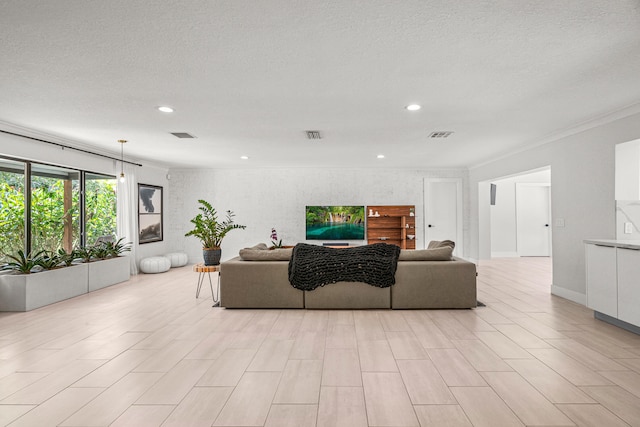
(55, 208)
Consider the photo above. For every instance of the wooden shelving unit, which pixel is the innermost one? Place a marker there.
(392, 224)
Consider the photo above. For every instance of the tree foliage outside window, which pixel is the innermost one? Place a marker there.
(12, 231)
(100, 209)
(48, 212)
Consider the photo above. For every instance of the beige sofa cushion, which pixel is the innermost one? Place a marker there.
(439, 244)
(443, 253)
(259, 246)
(249, 254)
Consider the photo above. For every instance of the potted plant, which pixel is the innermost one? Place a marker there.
(23, 264)
(67, 258)
(210, 231)
(46, 277)
(275, 243)
(85, 253)
(38, 280)
(118, 248)
(49, 260)
(112, 267)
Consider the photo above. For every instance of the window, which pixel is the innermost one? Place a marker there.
(63, 208)
(12, 231)
(100, 207)
(55, 208)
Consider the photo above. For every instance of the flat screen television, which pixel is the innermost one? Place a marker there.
(335, 222)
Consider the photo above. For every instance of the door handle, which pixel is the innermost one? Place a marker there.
(546, 225)
(430, 226)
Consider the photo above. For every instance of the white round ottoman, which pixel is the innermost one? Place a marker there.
(177, 259)
(155, 264)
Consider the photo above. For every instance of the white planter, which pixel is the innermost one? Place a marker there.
(108, 272)
(24, 292)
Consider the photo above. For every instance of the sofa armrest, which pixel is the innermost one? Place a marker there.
(434, 284)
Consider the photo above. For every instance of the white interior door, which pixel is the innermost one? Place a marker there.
(443, 211)
(533, 219)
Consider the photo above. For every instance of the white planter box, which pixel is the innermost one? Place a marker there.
(24, 292)
(108, 272)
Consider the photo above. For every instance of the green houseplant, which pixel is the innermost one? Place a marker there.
(67, 258)
(117, 248)
(23, 263)
(60, 275)
(210, 231)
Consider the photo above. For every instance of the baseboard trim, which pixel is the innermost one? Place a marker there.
(616, 322)
(574, 296)
(504, 255)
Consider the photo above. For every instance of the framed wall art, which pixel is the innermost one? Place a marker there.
(149, 213)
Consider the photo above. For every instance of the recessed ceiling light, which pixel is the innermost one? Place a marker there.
(381, 156)
(166, 109)
(413, 107)
(244, 157)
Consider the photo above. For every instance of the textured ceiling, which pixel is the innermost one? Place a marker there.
(249, 77)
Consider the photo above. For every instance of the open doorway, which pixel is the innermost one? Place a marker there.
(520, 215)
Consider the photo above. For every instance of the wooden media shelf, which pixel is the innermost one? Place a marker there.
(392, 224)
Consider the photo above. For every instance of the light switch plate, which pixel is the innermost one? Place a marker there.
(628, 227)
(559, 222)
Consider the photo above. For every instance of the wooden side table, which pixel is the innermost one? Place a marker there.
(203, 270)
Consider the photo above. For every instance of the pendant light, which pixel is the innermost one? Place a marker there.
(122, 142)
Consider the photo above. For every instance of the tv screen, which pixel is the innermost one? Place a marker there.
(335, 222)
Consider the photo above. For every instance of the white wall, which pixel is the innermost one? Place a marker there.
(504, 242)
(26, 149)
(582, 193)
(266, 198)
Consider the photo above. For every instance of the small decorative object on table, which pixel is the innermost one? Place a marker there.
(275, 243)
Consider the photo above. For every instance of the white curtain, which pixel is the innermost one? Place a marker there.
(128, 211)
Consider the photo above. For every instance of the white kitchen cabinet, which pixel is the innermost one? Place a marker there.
(602, 292)
(628, 263)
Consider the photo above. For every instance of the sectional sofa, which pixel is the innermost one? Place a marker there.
(425, 279)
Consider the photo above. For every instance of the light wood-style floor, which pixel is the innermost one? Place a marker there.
(147, 353)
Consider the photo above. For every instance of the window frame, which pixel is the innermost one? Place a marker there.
(28, 193)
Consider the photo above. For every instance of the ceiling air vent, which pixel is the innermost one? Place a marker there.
(440, 134)
(182, 135)
(313, 134)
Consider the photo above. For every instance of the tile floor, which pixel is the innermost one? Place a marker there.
(147, 353)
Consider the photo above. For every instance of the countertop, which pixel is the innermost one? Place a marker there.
(625, 244)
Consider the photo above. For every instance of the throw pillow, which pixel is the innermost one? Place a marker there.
(259, 246)
(443, 253)
(248, 254)
(439, 244)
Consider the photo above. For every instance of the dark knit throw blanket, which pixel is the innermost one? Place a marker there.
(312, 266)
